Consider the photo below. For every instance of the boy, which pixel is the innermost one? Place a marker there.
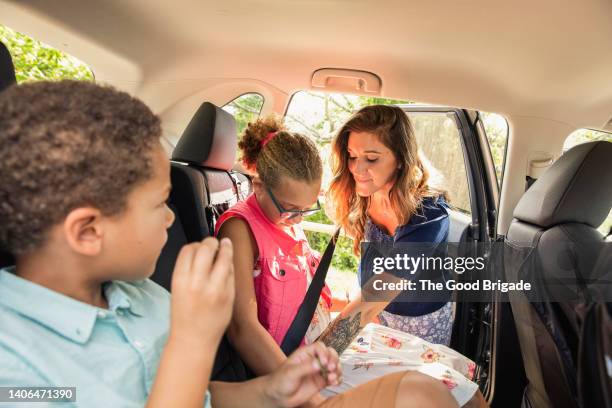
(83, 190)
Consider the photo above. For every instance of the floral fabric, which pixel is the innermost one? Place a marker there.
(433, 327)
(380, 350)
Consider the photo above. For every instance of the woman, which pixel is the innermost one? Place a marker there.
(380, 193)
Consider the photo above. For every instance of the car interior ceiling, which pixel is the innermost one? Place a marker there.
(551, 211)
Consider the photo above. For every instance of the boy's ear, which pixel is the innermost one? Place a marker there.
(83, 230)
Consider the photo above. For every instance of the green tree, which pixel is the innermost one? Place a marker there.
(35, 61)
(336, 109)
(585, 135)
(496, 129)
(343, 259)
(246, 108)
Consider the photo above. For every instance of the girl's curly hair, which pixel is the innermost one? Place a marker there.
(284, 153)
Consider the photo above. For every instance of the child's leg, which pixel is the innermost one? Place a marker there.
(418, 390)
(477, 401)
(400, 390)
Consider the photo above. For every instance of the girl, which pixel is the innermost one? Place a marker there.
(380, 193)
(274, 263)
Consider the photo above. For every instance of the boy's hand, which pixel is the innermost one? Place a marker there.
(202, 291)
(308, 370)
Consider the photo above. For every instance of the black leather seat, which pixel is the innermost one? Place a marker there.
(558, 216)
(7, 70)
(7, 78)
(203, 185)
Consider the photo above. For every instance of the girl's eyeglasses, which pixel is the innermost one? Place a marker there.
(289, 214)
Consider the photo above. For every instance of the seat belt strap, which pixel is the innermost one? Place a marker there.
(299, 326)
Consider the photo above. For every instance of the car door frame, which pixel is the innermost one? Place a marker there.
(474, 333)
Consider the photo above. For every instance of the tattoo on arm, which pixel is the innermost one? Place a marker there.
(341, 332)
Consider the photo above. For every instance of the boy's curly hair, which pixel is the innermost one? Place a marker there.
(64, 145)
(285, 154)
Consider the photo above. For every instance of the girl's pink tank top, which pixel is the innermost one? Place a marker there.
(283, 270)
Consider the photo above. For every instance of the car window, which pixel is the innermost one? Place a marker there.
(583, 136)
(589, 135)
(320, 116)
(245, 108)
(440, 146)
(36, 61)
(496, 130)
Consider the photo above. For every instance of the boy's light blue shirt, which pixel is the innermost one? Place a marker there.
(110, 355)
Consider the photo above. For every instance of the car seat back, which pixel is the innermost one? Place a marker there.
(203, 184)
(7, 78)
(558, 217)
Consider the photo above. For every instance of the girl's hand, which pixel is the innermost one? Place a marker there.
(308, 370)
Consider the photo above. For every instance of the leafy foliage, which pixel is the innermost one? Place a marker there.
(35, 61)
(496, 129)
(343, 259)
(246, 108)
(320, 115)
(584, 136)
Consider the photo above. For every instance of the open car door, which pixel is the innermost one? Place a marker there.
(454, 143)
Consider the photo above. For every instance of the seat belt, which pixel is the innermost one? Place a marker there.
(299, 326)
(545, 311)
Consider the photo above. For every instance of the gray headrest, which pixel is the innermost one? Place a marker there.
(7, 70)
(209, 140)
(576, 188)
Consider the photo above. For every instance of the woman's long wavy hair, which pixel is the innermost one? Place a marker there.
(394, 130)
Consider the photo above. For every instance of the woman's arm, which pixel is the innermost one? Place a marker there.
(370, 302)
(359, 312)
(252, 341)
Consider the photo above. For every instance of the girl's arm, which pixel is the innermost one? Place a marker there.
(252, 341)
